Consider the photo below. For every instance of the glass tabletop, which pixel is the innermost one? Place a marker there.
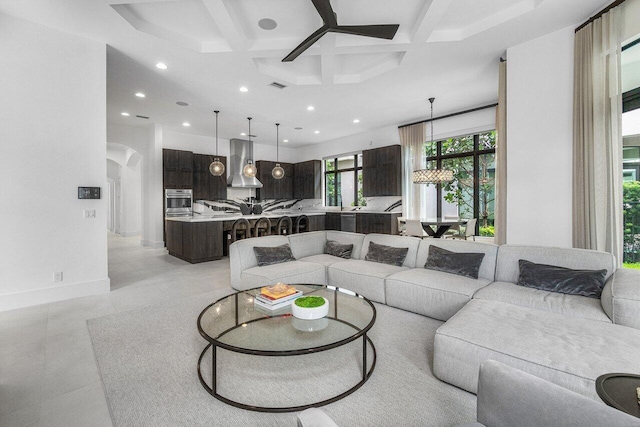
(236, 323)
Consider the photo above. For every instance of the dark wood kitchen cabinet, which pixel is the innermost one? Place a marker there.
(274, 188)
(367, 223)
(332, 221)
(307, 181)
(205, 185)
(177, 168)
(382, 171)
(194, 241)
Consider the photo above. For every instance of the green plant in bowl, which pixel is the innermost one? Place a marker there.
(309, 302)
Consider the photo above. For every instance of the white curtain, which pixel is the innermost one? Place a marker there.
(414, 196)
(597, 136)
(500, 221)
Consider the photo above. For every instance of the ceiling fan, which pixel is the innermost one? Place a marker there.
(384, 31)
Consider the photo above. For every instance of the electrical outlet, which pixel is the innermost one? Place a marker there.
(57, 276)
(89, 213)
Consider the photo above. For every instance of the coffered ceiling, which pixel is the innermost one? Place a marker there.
(448, 49)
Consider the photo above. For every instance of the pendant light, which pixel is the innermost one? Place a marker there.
(249, 169)
(432, 176)
(277, 172)
(216, 168)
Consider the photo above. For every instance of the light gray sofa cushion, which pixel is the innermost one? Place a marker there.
(567, 351)
(411, 243)
(431, 293)
(362, 277)
(242, 257)
(307, 244)
(568, 305)
(347, 238)
(508, 397)
(508, 256)
(488, 266)
(315, 417)
(290, 272)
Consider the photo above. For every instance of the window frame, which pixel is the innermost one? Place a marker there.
(336, 171)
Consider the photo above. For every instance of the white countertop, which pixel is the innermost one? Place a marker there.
(233, 216)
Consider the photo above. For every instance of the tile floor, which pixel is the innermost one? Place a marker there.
(48, 373)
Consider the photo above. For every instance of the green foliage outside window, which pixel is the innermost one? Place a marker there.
(631, 218)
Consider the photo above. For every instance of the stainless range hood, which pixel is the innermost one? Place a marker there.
(241, 152)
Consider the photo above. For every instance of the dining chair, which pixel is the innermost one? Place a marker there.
(454, 230)
(469, 230)
(414, 228)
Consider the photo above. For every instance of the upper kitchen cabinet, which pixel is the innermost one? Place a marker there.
(177, 167)
(274, 188)
(205, 185)
(382, 171)
(307, 180)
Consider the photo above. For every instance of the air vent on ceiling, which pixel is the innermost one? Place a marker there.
(277, 85)
(142, 117)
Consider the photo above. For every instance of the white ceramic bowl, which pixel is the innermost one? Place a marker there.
(310, 313)
(309, 325)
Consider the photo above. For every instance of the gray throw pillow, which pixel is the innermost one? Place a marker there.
(461, 263)
(588, 283)
(338, 249)
(386, 254)
(273, 255)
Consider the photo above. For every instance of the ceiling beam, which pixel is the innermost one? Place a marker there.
(428, 19)
(227, 24)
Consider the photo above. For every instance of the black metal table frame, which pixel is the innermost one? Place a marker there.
(214, 344)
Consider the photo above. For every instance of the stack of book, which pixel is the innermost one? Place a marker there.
(276, 296)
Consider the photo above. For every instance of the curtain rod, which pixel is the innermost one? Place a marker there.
(599, 14)
(484, 107)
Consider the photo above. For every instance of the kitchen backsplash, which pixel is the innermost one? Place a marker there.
(204, 206)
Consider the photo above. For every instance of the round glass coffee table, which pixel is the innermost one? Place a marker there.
(237, 324)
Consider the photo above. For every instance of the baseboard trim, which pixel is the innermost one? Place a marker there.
(152, 243)
(53, 294)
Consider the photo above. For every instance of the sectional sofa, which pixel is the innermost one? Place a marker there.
(566, 339)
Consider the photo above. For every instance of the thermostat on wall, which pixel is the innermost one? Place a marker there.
(88, 192)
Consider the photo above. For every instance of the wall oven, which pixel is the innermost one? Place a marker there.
(178, 202)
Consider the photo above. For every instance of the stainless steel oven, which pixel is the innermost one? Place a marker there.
(178, 202)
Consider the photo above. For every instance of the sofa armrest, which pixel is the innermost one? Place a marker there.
(509, 397)
(621, 297)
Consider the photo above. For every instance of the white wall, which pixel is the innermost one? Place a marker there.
(539, 138)
(52, 139)
(459, 125)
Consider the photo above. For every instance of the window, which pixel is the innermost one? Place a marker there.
(472, 192)
(343, 181)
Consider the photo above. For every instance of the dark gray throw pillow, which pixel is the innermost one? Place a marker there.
(588, 283)
(338, 249)
(273, 255)
(386, 254)
(461, 263)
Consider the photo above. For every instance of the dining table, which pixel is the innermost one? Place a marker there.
(436, 227)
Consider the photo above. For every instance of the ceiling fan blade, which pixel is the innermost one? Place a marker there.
(306, 44)
(385, 31)
(326, 12)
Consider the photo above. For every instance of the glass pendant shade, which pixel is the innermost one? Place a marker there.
(249, 170)
(216, 168)
(432, 176)
(277, 172)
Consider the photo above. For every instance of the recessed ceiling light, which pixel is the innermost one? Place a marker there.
(182, 103)
(243, 134)
(285, 140)
(140, 95)
(356, 120)
(186, 124)
(310, 108)
(124, 113)
(243, 89)
(316, 131)
(267, 24)
(161, 66)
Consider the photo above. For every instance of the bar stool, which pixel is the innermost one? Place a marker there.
(302, 224)
(240, 227)
(262, 227)
(284, 225)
